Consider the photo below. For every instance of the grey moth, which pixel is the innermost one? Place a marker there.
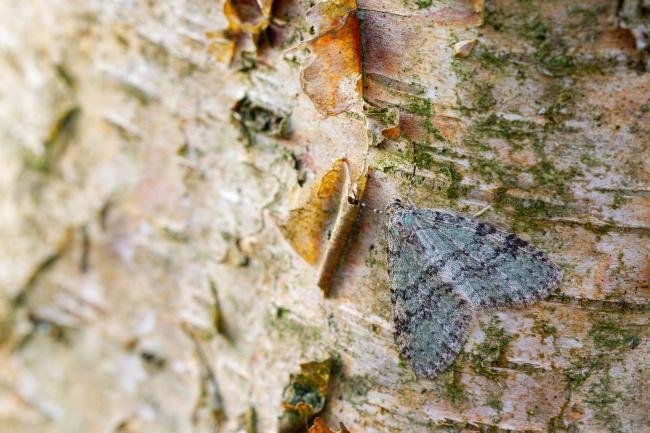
(444, 266)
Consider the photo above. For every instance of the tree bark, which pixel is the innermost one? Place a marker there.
(151, 161)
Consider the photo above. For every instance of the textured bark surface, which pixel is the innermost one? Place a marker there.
(145, 282)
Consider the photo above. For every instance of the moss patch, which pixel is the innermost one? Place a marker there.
(547, 175)
(603, 399)
(454, 389)
(582, 368)
(420, 106)
(544, 329)
(453, 189)
(432, 130)
(490, 57)
(560, 99)
(483, 97)
(619, 200)
(494, 401)
(450, 177)
(513, 131)
(525, 211)
(548, 43)
(609, 334)
(492, 350)
(599, 229)
(492, 170)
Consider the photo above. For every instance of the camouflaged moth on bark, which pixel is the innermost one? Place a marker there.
(442, 267)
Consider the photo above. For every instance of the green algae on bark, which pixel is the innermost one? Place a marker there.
(491, 351)
(608, 334)
(454, 388)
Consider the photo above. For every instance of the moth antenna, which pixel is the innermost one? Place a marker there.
(363, 204)
(413, 173)
(482, 211)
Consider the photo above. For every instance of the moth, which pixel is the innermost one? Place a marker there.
(444, 266)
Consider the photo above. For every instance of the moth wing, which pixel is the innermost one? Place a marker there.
(491, 267)
(432, 320)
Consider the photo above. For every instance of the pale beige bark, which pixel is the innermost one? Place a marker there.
(134, 211)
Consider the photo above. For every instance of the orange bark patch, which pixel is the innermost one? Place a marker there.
(266, 6)
(617, 38)
(333, 78)
(320, 427)
(306, 228)
(246, 21)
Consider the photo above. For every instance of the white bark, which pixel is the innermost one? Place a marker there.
(122, 225)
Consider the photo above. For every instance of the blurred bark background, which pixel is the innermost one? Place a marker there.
(149, 159)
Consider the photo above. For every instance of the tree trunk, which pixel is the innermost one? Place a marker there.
(163, 234)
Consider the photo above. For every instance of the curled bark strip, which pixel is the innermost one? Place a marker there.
(349, 206)
(319, 229)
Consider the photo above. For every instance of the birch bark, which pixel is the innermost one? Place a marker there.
(145, 282)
